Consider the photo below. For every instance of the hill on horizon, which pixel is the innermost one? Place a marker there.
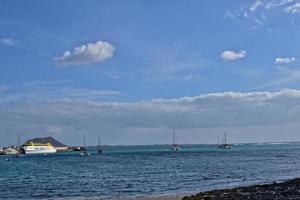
(50, 140)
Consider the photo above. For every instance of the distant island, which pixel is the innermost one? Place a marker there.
(55, 143)
(50, 140)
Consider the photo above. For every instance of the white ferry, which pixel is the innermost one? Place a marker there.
(38, 148)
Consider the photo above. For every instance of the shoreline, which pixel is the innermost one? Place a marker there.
(289, 189)
(167, 197)
(280, 190)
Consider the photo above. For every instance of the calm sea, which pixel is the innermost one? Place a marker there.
(138, 171)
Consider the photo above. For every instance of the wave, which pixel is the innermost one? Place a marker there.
(271, 143)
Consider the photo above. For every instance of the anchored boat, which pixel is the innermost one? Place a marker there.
(174, 146)
(10, 151)
(38, 148)
(224, 144)
(99, 149)
(85, 152)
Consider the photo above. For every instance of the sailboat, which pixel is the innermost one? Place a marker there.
(224, 144)
(85, 152)
(99, 149)
(174, 146)
(18, 155)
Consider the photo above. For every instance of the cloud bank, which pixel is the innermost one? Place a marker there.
(230, 55)
(89, 53)
(76, 117)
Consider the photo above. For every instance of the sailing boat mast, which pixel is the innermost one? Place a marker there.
(18, 141)
(174, 137)
(99, 150)
(99, 141)
(85, 152)
(174, 146)
(84, 141)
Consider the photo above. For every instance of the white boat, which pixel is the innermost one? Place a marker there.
(38, 148)
(10, 151)
(85, 152)
(99, 149)
(224, 144)
(174, 146)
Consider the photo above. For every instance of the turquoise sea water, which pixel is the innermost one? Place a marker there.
(138, 171)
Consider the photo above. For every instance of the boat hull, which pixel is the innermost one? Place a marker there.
(224, 146)
(39, 149)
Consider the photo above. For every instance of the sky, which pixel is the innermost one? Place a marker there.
(132, 71)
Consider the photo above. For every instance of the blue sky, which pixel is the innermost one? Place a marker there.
(67, 55)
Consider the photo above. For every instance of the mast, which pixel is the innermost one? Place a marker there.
(18, 140)
(84, 141)
(218, 140)
(225, 142)
(99, 143)
(222, 140)
(173, 136)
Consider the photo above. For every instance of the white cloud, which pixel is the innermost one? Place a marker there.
(229, 14)
(90, 53)
(284, 60)
(8, 41)
(293, 8)
(258, 10)
(256, 4)
(284, 77)
(277, 3)
(191, 77)
(230, 55)
(170, 64)
(49, 90)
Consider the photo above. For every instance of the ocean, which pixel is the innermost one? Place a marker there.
(124, 172)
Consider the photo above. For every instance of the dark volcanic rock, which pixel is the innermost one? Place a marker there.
(50, 140)
(289, 190)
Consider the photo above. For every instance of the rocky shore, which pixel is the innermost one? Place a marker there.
(288, 190)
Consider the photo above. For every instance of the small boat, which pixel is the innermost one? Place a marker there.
(224, 144)
(10, 151)
(175, 147)
(99, 149)
(84, 152)
(20, 151)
